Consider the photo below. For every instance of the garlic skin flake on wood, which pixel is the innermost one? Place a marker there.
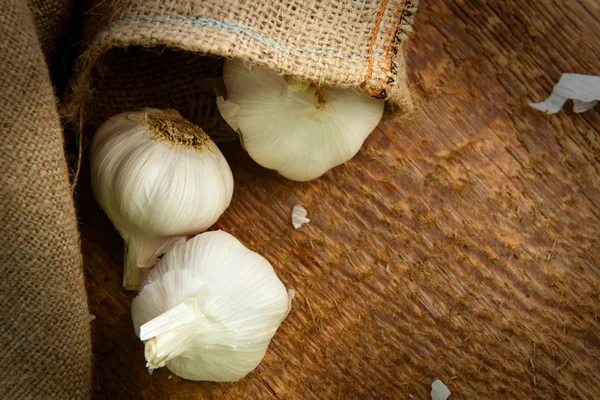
(293, 127)
(209, 309)
(583, 89)
(439, 391)
(299, 216)
(157, 176)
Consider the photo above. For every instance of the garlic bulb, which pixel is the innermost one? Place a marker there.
(209, 309)
(293, 127)
(157, 176)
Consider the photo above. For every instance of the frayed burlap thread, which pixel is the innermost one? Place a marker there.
(44, 329)
(154, 53)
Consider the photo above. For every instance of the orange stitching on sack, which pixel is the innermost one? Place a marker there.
(373, 41)
(394, 41)
(391, 46)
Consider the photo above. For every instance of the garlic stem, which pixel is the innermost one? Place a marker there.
(173, 318)
(302, 85)
(139, 253)
(167, 334)
(132, 275)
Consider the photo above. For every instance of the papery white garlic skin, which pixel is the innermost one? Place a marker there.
(299, 216)
(209, 309)
(583, 89)
(439, 391)
(154, 186)
(285, 127)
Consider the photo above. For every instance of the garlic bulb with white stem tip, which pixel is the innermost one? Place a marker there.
(157, 177)
(293, 126)
(209, 309)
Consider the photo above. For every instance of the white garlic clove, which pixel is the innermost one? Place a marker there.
(298, 130)
(209, 309)
(157, 176)
(299, 216)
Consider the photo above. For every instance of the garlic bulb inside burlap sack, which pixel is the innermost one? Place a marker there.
(292, 126)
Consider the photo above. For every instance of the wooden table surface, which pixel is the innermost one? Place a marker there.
(462, 244)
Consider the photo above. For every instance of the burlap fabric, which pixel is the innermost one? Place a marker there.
(45, 350)
(148, 53)
(51, 21)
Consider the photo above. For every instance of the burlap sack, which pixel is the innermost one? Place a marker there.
(148, 53)
(51, 22)
(45, 350)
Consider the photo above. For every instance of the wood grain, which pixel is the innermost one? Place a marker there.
(463, 244)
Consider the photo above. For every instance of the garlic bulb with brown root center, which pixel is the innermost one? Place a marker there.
(292, 126)
(157, 177)
(209, 309)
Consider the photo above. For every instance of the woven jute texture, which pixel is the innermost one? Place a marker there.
(148, 53)
(51, 22)
(44, 329)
